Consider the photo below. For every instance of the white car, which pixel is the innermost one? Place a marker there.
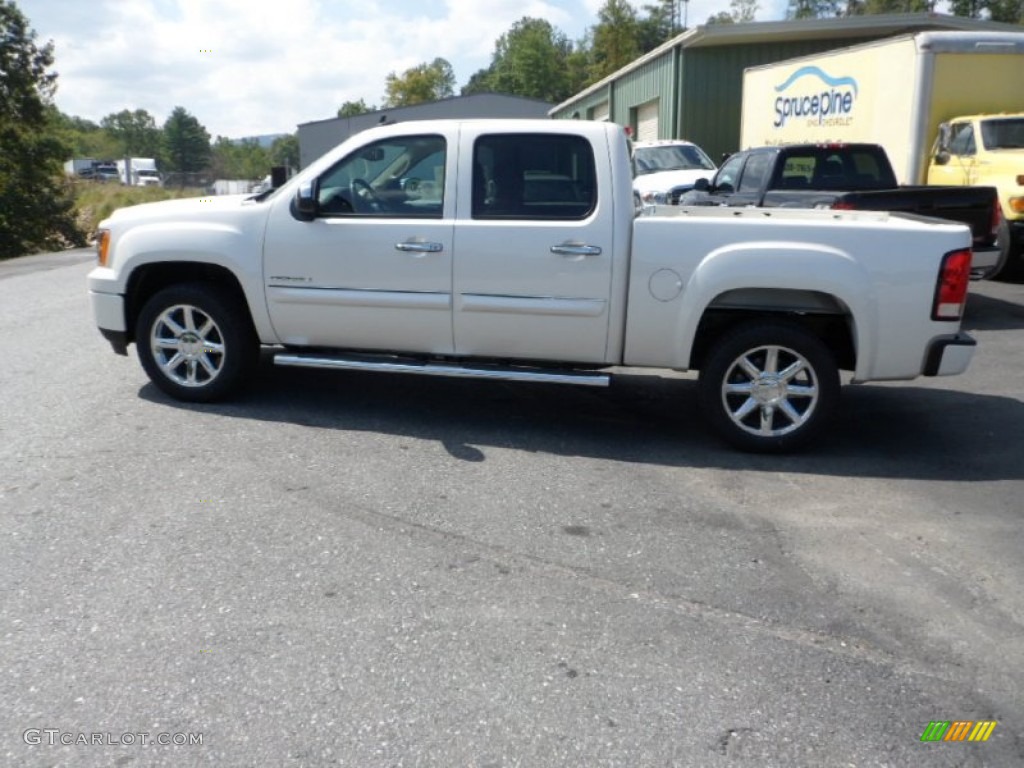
(667, 169)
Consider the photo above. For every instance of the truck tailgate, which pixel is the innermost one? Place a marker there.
(974, 206)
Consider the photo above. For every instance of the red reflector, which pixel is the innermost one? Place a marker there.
(951, 290)
(840, 205)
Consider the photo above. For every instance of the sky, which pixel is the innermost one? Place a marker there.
(254, 67)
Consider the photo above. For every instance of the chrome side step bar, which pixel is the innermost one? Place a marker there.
(427, 368)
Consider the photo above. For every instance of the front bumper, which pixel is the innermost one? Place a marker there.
(949, 355)
(108, 308)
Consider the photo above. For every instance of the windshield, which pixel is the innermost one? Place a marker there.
(672, 157)
(1003, 133)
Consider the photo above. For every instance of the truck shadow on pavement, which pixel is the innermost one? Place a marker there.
(880, 431)
(988, 313)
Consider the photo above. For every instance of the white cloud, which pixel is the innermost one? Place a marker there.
(246, 67)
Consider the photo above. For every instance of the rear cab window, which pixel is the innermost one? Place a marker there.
(849, 167)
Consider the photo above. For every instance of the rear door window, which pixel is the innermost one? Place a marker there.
(533, 176)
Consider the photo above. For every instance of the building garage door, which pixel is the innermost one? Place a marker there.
(600, 112)
(647, 121)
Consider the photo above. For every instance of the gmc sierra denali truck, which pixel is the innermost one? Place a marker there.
(511, 249)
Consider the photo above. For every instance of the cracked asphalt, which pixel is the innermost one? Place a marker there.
(358, 569)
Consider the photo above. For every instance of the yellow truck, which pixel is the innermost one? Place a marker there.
(946, 106)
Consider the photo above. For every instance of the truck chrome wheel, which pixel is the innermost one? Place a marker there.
(770, 391)
(187, 345)
(769, 386)
(196, 341)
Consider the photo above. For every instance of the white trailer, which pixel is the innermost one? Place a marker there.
(76, 165)
(138, 172)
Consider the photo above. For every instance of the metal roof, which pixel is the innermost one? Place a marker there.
(712, 35)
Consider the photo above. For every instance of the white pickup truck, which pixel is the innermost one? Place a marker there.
(512, 250)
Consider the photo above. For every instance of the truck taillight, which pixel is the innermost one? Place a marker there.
(997, 218)
(840, 205)
(951, 290)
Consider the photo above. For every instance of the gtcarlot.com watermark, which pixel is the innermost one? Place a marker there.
(54, 737)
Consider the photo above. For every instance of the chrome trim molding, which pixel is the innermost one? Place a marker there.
(351, 297)
(441, 369)
(532, 305)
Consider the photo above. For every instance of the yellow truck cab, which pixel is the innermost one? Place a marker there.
(988, 150)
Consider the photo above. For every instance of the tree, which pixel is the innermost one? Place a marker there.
(135, 132)
(897, 6)
(244, 159)
(419, 84)
(479, 82)
(740, 11)
(35, 202)
(84, 137)
(743, 11)
(285, 151)
(616, 38)
(1009, 11)
(186, 143)
(661, 24)
(354, 108)
(813, 9)
(531, 60)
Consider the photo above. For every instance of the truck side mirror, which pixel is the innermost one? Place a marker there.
(942, 157)
(304, 207)
(943, 140)
(702, 185)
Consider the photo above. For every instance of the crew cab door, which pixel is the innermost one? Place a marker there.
(533, 246)
(370, 266)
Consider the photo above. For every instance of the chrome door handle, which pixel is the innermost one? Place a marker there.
(419, 247)
(576, 250)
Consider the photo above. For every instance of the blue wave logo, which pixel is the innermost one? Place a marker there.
(811, 71)
(832, 103)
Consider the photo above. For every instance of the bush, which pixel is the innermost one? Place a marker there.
(95, 201)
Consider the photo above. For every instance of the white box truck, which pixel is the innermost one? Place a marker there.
(138, 172)
(904, 93)
(79, 166)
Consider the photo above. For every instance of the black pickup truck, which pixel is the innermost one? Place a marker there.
(847, 176)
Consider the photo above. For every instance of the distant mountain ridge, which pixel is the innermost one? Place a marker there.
(266, 140)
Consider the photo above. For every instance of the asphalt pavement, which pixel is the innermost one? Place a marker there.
(360, 569)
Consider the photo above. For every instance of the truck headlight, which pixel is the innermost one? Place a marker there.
(656, 198)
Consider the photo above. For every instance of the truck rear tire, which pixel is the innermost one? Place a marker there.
(1010, 267)
(195, 342)
(769, 387)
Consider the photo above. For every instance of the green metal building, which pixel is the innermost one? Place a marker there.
(691, 86)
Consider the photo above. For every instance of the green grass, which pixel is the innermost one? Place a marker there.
(95, 202)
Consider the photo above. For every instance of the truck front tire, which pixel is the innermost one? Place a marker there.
(769, 387)
(195, 342)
